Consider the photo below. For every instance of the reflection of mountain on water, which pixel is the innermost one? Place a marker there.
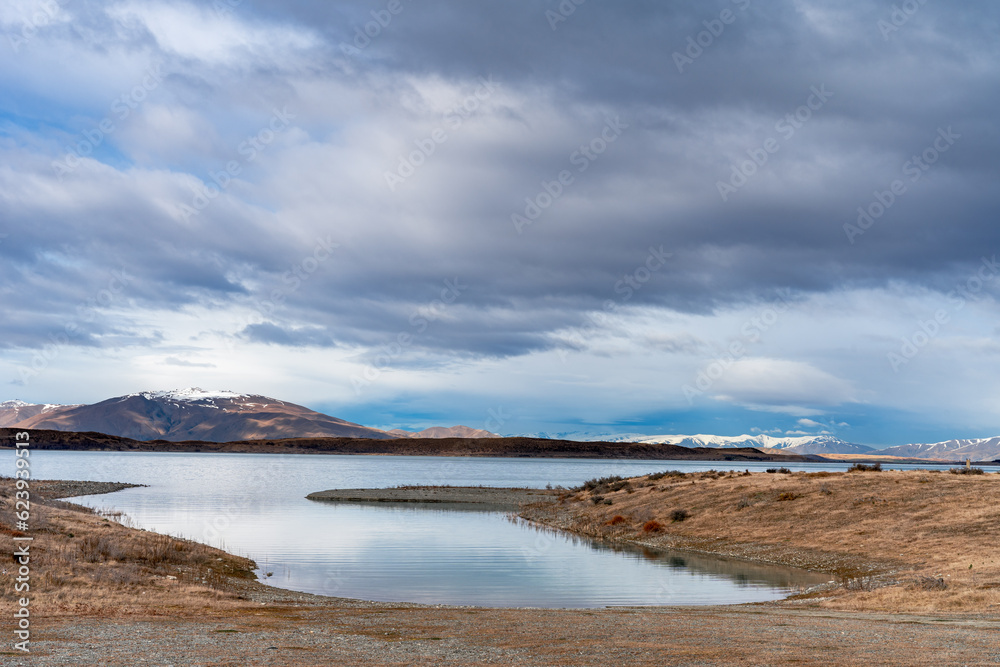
(740, 572)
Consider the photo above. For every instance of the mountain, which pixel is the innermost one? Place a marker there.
(443, 432)
(807, 444)
(195, 414)
(14, 412)
(977, 449)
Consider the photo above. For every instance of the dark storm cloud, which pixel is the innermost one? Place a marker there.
(657, 185)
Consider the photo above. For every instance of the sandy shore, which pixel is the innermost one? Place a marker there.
(201, 606)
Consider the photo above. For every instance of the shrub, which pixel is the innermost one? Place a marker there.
(783, 471)
(597, 499)
(656, 476)
(966, 471)
(744, 503)
(825, 490)
(862, 467)
(616, 520)
(652, 526)
(931, 583)
(679, 515)
(601, 484)
(787, 495)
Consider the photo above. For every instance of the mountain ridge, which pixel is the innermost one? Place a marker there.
(195, 414)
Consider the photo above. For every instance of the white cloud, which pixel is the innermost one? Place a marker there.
(788, 386)
(201, 33)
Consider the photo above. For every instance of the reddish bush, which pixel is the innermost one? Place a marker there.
(652, 526)
(616, 520)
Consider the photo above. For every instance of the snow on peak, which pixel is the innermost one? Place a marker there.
(205, 398)
(189, 394)
(703, 440)
(16, 403)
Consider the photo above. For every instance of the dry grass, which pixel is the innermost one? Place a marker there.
(86, 564)
(883, 535)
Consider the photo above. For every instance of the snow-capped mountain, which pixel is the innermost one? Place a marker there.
(977, 449)
(808, 444)
(196, 414)
(14, 412)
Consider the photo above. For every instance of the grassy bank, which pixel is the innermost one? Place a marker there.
(83, 563)
(913, 541)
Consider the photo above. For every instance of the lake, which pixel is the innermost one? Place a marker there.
(254, 505)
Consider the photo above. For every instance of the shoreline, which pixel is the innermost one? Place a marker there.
(230, 616)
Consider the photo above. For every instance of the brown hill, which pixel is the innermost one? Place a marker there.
(444, 432)
(193, 414)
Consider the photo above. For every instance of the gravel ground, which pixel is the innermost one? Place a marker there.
(332, 633)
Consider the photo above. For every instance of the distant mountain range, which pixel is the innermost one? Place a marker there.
(982, 449)
(225, 416)
(977, 449)
(807, 444)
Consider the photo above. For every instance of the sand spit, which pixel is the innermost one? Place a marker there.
(473, 497)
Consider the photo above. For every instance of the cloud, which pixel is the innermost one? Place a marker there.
(276, 335)
(248, 260)
(174, 361)
(782, 385)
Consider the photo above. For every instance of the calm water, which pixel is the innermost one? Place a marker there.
(254, 505)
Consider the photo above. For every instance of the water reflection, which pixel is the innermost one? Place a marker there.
(740, 572)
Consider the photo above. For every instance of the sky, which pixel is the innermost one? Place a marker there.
(721, 217)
